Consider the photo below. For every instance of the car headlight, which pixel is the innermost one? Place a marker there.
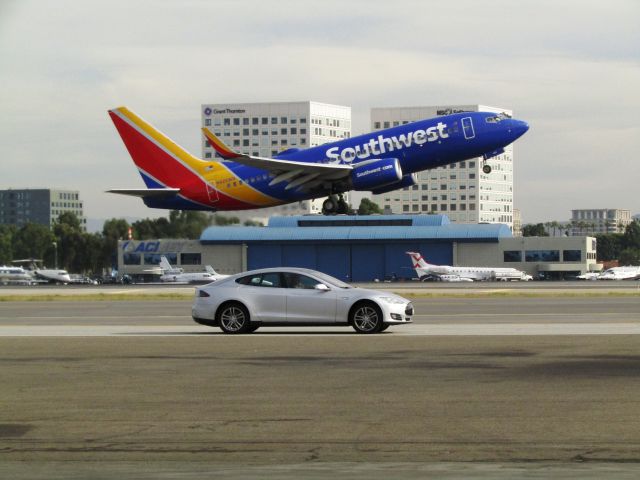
(393, 300)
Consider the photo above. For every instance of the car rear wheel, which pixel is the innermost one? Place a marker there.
(366, 318)
(234, 318)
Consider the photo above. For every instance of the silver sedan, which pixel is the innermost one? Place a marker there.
(295, 296)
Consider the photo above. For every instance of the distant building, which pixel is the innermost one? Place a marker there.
(599, 220)
(460, 190)
(43, 206)
(266, 129)
(517, 223)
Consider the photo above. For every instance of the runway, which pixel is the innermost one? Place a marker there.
(476, 386)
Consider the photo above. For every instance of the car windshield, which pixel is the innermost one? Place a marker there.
(332, 280)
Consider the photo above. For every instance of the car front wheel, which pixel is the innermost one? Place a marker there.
(366, 318)
(234, 318)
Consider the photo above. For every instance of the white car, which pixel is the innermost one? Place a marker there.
(295, 296)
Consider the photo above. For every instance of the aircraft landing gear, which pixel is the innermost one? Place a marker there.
(486, 169)
(334, 205)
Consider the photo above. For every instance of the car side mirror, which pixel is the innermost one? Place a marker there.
(322, 287)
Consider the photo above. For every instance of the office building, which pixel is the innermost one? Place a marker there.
(461, 191)
(266, 129)
(599, 220)
(39, 205)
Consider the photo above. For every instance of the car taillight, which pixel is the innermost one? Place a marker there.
(203, 293)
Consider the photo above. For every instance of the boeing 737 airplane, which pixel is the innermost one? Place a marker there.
(378, 162)
(463, 274)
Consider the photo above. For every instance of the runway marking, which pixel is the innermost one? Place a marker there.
(489, 329)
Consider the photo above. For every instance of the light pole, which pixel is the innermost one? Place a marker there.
(55, 249)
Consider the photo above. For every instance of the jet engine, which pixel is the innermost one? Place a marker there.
(407, 181)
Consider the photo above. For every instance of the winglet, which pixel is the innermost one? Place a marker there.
(224, 151)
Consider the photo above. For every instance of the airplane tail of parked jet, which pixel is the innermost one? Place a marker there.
(418, 260)
(165, 265)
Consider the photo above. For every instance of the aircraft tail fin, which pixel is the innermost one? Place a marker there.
(161, 162)
(209, 269)
(222, 150)
(164, 263)
(418, 260)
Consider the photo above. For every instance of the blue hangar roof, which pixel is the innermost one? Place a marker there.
(349, 228)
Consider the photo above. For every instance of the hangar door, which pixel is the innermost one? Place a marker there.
(367, 262)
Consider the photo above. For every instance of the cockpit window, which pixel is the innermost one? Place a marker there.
(497, 118)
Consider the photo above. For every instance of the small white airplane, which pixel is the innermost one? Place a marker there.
(589, 276)
(15, 275)
(620, 273)
(52, 275)
(178, 275)
(447, 273)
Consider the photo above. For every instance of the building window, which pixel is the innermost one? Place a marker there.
(405, 208)
(542, 255)
(245, 121)
(236, 121)
(572, 255)
(207, 122)
(472, 206)
(190, 258)
(512, 256)
(274, 120)
(131, 258)
(283, 119)
(415, 207)
(443, 207)
(265, 120)
(255, 121)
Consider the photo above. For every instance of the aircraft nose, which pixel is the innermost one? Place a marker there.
(519, 128)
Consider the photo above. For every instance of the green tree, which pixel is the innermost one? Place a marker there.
(113, 230)
(367, 207)
(70, 243)
(631, 236)
(7, 233)
(33, 240)
(629, 256)
(221, 220)
(609, 246)
(534, 230)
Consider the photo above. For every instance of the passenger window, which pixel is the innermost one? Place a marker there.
(295, 280)
(270, 280)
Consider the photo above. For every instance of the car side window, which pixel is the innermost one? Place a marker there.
(271, 279)
(295, 280)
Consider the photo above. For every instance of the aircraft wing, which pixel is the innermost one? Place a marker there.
(297, 174)
(146, 192)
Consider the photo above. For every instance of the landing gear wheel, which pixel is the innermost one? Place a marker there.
(330, 206)
(486, 169)
(233, 318)
(366, 318)
(343, 207)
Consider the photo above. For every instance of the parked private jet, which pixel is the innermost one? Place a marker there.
(447, 273)
(15, 275)
(177, 275)
(378, 162)
(52, 275)
(620, 273)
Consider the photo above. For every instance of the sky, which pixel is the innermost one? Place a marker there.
(571, 69)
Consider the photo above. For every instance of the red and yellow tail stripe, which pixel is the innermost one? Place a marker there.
(160, 158)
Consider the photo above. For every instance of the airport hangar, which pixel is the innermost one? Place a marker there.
(361, 248)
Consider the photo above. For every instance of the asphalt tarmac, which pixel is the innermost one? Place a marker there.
(193, 403)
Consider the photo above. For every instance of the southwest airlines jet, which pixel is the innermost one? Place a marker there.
(378, 162)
